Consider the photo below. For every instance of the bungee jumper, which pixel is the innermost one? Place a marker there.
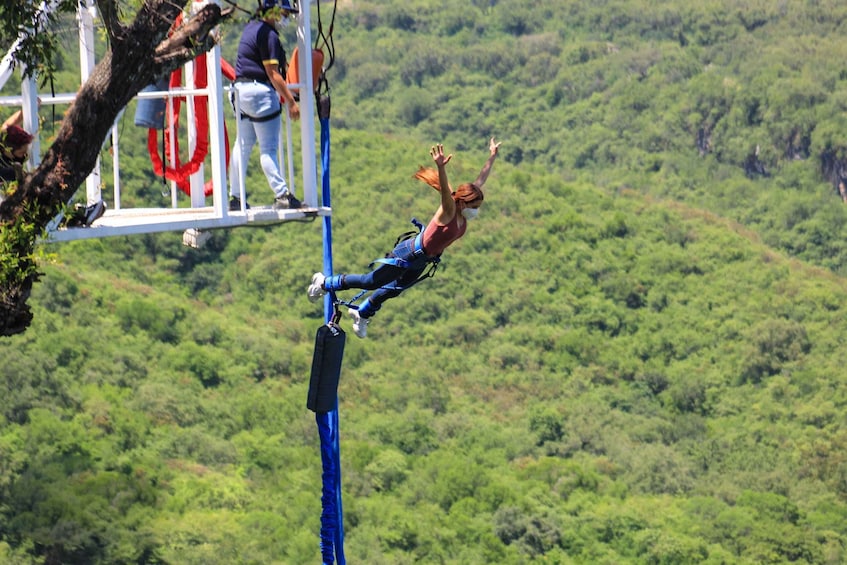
(406, 264)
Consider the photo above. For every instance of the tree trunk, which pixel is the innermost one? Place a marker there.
(139, 54)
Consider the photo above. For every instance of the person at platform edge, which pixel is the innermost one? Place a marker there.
(260, 85)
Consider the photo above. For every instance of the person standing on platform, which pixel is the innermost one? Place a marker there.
(259, 85)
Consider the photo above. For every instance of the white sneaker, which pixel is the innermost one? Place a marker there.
(316, 289)
(360, 324)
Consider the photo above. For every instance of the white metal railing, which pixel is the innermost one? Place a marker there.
(122, 221)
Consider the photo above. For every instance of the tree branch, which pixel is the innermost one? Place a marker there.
(193, 36)
(109, 14)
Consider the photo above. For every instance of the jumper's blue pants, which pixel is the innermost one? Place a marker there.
(398, 272)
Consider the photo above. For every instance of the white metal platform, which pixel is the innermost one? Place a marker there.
(118, 219)
(154, 220)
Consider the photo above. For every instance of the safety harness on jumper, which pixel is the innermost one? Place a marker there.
(389, 259)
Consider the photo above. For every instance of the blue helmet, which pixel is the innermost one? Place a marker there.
(288, 5)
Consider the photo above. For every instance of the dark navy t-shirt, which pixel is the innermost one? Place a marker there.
(259, 45)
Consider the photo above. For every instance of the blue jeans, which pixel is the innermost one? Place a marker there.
(387, 280)
(257, 100)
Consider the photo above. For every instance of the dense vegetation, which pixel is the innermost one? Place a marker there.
(670, 98)
(633, 357)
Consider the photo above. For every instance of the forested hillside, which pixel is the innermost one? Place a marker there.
(737, 107)
(634, 356)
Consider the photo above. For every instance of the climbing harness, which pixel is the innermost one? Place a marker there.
(432, 262)
(261, 119)
(245, 115)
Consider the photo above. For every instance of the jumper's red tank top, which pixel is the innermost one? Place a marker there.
(437, 238)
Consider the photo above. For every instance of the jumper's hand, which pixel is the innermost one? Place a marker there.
(494, 146)
(437, 153)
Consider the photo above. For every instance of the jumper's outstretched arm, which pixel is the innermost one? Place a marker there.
(493, 147)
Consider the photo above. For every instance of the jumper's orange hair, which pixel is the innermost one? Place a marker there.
(467, 192)
(430, 177)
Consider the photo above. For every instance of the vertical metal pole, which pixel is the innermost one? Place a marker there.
(29, 110)
(171, 133)
(217, 140)
(116, 162)
(287, 150)
(85, 14)
(307, 107)
(241, 189)
(196, 180)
